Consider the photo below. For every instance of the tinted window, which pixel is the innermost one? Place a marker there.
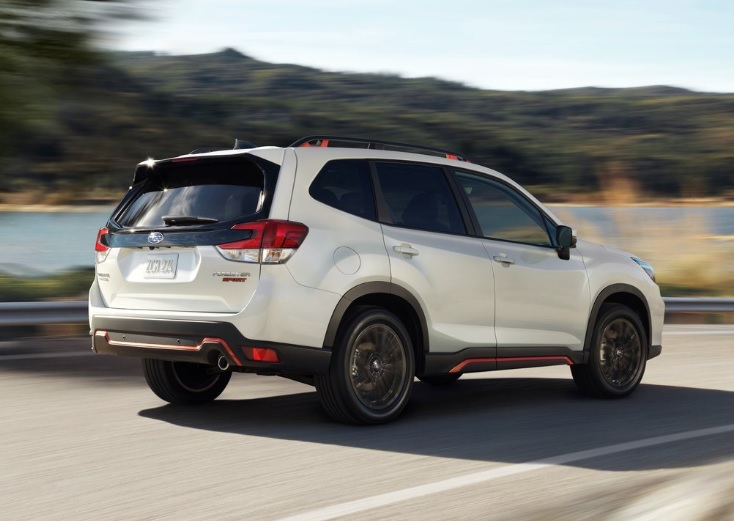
(345, 185)
(419, 196)
(502, 212)
(218, 190)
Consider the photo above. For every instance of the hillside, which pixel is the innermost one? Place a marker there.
(664, 141)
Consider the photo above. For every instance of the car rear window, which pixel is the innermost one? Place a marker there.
(220, 190)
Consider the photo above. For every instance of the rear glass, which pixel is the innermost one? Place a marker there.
(218, 190)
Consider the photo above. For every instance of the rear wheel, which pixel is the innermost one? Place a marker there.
(617, 354)
(184, 382)
(372, 368)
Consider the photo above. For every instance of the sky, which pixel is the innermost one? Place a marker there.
(490, 44)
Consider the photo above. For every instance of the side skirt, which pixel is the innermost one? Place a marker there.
(476, 360)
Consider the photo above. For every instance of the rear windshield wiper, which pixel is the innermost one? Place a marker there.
(183, 220)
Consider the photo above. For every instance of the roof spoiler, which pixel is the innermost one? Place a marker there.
(141, 172)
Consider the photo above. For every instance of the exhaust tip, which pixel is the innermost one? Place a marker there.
(222, 363)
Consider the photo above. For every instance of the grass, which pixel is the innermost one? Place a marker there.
(72, 284)
(689, 260)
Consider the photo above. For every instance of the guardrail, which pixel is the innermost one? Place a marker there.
(43, 313)
(698, 305)
(75, 312)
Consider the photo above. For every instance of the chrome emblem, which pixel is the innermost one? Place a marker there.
(155, 237)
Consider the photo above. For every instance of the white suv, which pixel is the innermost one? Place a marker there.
(357, 265)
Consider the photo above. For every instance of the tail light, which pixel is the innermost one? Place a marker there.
(271, 242)
(100, 250)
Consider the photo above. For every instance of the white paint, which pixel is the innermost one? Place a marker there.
(389, 498)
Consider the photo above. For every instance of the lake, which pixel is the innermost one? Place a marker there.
(34, 243)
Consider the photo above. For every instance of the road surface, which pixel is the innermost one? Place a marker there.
(83, 438)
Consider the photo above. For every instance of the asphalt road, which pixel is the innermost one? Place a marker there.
(82, 438)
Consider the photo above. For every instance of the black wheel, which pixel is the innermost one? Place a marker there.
(440, 379)
(372, 368)
(184, 382)
(617, 354)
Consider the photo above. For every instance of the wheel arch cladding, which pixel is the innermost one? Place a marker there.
(387, 296)
(620, 294)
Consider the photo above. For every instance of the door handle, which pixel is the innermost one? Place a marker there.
(405, 249)
(503, 259)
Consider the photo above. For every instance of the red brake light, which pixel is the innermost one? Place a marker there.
(99, 246)
(283, 234)
(100, 250)
(271, 242)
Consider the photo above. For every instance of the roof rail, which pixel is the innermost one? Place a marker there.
(341, 141)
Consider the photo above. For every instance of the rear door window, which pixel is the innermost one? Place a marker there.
(207, 190)
(419, 196)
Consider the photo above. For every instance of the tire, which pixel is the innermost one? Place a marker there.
(617, 354)
(184, 382)
(372, 368)
(440, 379)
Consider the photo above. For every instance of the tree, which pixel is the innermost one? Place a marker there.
(43, 46)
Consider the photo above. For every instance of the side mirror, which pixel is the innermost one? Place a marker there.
(565, 241)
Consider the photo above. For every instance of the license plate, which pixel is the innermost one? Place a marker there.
(161, 266)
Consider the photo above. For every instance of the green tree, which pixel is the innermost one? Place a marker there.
(43, 46)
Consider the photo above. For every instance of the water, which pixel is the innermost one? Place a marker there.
(32, 243)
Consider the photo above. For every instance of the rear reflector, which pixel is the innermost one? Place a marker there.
(271, 242)
(261, 354)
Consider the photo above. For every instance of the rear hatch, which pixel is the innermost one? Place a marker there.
(169, 244)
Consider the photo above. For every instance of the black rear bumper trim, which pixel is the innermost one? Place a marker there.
(200, 342)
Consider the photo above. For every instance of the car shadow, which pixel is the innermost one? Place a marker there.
(509, 420)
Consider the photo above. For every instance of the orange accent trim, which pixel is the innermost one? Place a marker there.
(224, 345)
(457, 368)
(452, 156)
(534, 358)
(170, 347)
(153, 346)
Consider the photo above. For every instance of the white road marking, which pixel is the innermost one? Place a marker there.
(38, 356)
(389, 498)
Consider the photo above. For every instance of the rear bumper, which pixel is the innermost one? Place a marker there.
(200, 342)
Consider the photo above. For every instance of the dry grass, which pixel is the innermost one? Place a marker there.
(688, 259)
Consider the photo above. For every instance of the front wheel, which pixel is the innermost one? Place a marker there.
(184, 382)
(371, 373)
(617, 354)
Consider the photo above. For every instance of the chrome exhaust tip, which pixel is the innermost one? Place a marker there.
(222, 363)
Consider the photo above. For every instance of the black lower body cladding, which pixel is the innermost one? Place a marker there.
(201, 342)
